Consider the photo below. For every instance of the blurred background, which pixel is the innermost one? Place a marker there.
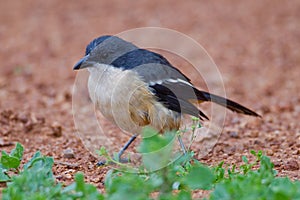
(255, 44)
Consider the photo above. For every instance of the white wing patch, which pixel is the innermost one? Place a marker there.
(179, 81)
(159, 82)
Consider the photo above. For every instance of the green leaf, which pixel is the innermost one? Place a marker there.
(9, 161)
(102, 152)
(157, 149)
(17, 151)
(79, 178)
(253, 152)
(149, 132)
(184, 195)
(82, 190)
(196, 119)
(155, 142)
(36, 182)
(259, 154)
(256, 184)
(200, 177)
(32, 160)
(120, 185)
(245, 160)
(3, 177)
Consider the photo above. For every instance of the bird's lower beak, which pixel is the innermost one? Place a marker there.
(79, 64)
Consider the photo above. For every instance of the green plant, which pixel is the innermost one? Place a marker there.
(10, 162)
(256, 184)
(176, 181)
(187, 175)
(35, 181)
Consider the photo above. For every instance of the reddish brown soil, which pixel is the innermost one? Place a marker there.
(255, 45)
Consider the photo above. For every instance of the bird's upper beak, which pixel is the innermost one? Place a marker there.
(79, 64)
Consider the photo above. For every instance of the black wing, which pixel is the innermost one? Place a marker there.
(176, 100)
(171, 86)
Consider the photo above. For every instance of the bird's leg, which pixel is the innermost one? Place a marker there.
(125, 147)
(181, 144)
(101, 163)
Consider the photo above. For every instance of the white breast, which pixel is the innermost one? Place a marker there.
(125, 100)
(112, 90)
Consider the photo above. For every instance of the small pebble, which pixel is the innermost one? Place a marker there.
(257, 142)
(91, 166)
(291, 165)
(233, 134)
(254, 134)
(269, 152)
(68, 176)
(96, 180)
(28, 126)
(56, 129)
(69, 153)
(59, 177)
(277, 163)
(23, 118)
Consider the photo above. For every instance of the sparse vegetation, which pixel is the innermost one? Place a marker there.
(179, 180)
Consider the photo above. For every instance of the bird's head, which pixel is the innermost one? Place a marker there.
(104, 50)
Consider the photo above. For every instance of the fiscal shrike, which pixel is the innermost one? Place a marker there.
(135, 87)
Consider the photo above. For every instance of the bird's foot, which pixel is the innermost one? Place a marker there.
(118, 158)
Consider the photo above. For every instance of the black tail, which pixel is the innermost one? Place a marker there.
(205, 96)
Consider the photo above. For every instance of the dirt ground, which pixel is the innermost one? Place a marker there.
(255, 44)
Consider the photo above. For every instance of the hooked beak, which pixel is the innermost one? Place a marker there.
(79, 64)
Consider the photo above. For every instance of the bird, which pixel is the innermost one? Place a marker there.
(135, 87)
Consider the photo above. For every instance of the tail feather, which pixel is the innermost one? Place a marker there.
(236, 107)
